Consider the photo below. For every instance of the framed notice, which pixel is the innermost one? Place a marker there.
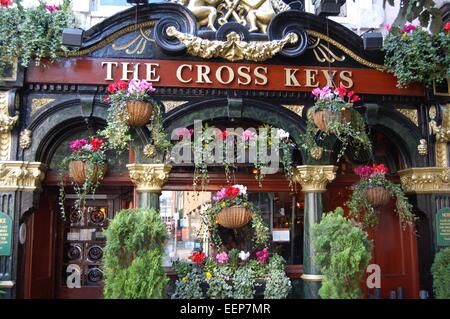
(443, 227)
(5, 234)
(281, 235)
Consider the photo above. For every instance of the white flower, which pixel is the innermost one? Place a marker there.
(242, 189)
(87, 147)
(244, 255)
(282, 134)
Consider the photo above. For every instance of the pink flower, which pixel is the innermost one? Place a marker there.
(387, 27)
(52, 8)
(248, 135)
(222, 258)
(76, 145)
(220, 195)
(184, 132)
(5, 3)
(316, 92)
(447, 27)
(262, 255)
(140, 86)
(408, 28)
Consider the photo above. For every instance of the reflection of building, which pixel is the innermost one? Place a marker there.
(64, 101)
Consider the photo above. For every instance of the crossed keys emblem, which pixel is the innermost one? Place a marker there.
(231, 8)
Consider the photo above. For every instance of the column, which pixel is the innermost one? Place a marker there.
(313, 179)
(149, 179)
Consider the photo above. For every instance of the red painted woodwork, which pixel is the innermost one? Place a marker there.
(394, 249)
(91, 71)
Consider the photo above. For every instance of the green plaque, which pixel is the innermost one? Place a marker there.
(5, 234)
(443, 227)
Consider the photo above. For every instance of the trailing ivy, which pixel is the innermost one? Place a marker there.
(133, 255)
(342, 253)
(441, 274)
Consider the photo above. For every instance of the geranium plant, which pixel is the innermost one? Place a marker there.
(231, 197)
(131, 105)
(334, 113)
(375, 177)
(87, 166)
(32, 33)
(413, 54)
(231, 275)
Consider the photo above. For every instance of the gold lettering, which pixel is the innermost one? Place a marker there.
(109, 70)
(126, 71)
(244, 75)
(261, 76)
(311, 80)
(230, 74)
(202, 74)
(291, 79)
(151, 75)
(180, 73)
(329, 76)
(346, 79)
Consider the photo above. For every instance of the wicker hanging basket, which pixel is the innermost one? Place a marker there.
(234, 217)
(378, 196)
(139, 113)
(319, 120)
(78, 171)
(323, 118)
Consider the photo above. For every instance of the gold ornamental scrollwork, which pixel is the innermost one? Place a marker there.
(149, 177)
(425, 180)
(314, 178)
(442, 134)
(6, 125)
(233, 49)
(25, 139)
(22, 176)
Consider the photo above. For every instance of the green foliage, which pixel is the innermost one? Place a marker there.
(360, 207)
(133, 255)
(33, 33)
(259, 270)
(424, 10)
(182, 268)
(278, 285)
(189, 287)
(343, 253)
(441, 274)
(417, 56)
(244, 283)
(220, 285)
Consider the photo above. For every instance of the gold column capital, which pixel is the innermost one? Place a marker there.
(21, 176)
(425, 180)
(149, 177)
(314, 178)
(307, 277)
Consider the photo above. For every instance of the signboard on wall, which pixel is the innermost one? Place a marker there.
(443, 227)
(5, 234)
(280, 235)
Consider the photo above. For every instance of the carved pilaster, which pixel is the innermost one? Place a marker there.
(425, 180)
(6, 125)
(22, 176)
(314, 178)
(442, 137)
(149, 177)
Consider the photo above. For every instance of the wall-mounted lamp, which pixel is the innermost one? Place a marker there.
(72, 37)
(372, 40)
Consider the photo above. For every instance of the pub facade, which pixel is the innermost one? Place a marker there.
(229, 67)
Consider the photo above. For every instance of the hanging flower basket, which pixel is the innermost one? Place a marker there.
(319, 119)
(139, 113)
(234, 217)
(78, 171)
(323, 118)
(378, 196)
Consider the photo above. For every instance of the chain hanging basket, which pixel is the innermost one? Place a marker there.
(139, 113)
(78, 171)
(378, 196)
(234, 217)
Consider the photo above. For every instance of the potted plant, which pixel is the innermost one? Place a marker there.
(373, 191)
(334, 113)
(441, 274)
(86, 165)
(131, 105)
(413, 54)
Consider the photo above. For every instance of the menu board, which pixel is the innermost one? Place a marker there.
(443, 227)
(5, 234)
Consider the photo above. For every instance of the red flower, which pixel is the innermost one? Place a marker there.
(355, 98)
(350, 94)
(198, 257)
(222, 134)
(447, 27)
(379, 168)
(106, 99)
(112, 88)
(121, 85)
(96, 143)
(341, 90)
(6, 3)
(232, 192)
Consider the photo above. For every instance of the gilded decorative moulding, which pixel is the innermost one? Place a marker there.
(233, 48)
(172, 105)
(422, 148)
(149, 177)
(425, 180)
(39, 103)
(25, 139)
(22, 176)
(314, 178)
(411, 114)
(307, 277)
(297, 109)
(6, 125)
(442, 133)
